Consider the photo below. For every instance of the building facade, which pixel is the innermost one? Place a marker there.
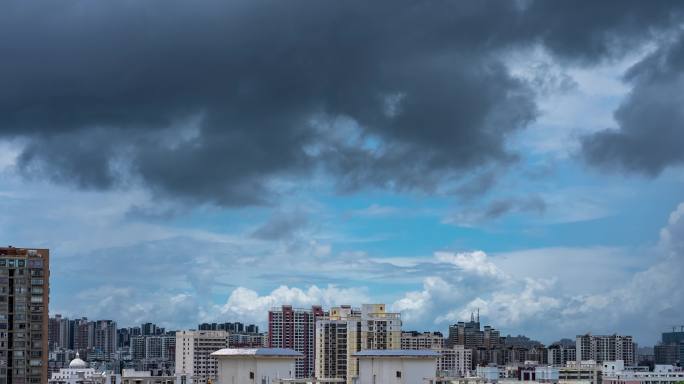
(255, 365)
(104, 338)
(346, 331)
(422, 340)
(193, 354)
(671, 349)
(455, 361)
(606, 348)
(559, 355)
(24, 330)
(395, 366)
(661, 374)
(295, 328)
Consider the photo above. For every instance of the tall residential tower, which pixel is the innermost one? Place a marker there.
(346, 331)
(24, 288)
(294, 328)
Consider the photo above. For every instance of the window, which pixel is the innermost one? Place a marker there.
(251, 375)
(399, 374)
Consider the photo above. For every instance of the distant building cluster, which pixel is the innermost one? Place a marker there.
(147, 348)
(671, 348)
(336, 345)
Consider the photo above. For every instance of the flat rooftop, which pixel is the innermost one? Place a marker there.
(257, 352)
(396, 353)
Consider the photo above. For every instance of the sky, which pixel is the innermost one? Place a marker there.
(205, 161)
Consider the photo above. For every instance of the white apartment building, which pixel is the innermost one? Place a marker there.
(605, 348)
(490, 374)
(193, 353)
(455, 361)
(614, 372)
(585, 371)
(559, 355)
(452, 362)
(422, 340)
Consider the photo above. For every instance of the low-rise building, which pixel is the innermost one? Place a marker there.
(255, 365)
(586, 371)
(661, 374)
(490, 374)
(79, 373)
(390, 366)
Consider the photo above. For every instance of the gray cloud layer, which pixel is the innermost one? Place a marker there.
(210, 101)
(651, 120)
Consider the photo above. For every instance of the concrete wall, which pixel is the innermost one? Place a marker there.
(236, 370)
(384, 370)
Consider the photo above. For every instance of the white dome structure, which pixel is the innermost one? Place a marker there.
(77, 363)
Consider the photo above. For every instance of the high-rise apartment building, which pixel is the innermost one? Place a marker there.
(491, 338)
(346, 331)
(295, 328)
(667, 354)
(24, 289)
(559, 354)
(671, 349)
(82, 339)
(104, 338)
(236, 327)
(137, 347)
(193, 350)
(53, 332)
(149, 329)
(455, 361)
(153, 347)
(674, 337)
(471, 336)
(422, 340)
(605, 348)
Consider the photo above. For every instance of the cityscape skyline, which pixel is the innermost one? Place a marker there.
(329, 338)
(263, 327)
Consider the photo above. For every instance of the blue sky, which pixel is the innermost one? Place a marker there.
(512, 189)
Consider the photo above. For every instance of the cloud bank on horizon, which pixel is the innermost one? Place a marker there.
(209, 160)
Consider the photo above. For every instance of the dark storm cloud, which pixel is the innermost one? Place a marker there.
(651, 119)
(589, 31)
(210, 101)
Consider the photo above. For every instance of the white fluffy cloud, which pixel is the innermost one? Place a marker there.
(471, 262)
(654, 297)
(643, 304)
(244, 303)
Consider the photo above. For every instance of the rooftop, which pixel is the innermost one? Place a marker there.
(266, 352)
(396, 353)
